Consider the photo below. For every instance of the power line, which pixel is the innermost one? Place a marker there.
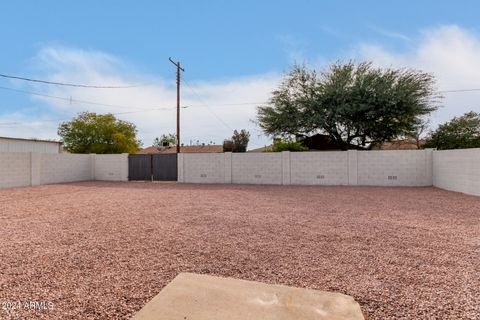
(65, 84)
(234, 104)
(72, 100)
(207, 106)
(459, 90)
(231, 104)
(136, 86)
(8, 124)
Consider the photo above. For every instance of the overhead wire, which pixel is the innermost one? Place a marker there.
(459, 90)
(8, 124)
(206, 105)
(136, 86)
(72, 100)
(63, 83)
(141, 109)
(216, 116)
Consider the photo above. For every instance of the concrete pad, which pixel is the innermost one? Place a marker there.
(201, 297)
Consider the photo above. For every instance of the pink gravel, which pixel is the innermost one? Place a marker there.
(102, 250)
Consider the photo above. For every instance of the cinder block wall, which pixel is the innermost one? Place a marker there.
(372, 168)
(257, 168)
(319, 168)
(457, 170)
(58, 168)
(31, 169)
(201, 167)
(394, 168)
(110, 167)
(14, 169)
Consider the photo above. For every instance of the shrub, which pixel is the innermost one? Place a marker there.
(280, 145)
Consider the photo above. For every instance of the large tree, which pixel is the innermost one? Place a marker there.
(238, 142)
(169, 139)
(355, 104)
(99, 133)
(459, 133)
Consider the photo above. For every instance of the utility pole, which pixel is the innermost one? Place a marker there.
(177, 64)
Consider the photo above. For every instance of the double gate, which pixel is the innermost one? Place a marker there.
(154, 167)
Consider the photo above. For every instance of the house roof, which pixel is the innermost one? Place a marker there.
(31, 140)
(183, 149)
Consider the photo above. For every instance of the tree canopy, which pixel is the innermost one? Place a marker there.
(355, 104)
(459, 133)
(287, 144)
(99, 133)
(169, 139)
(238, 142)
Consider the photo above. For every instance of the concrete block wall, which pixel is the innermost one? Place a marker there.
(319, 168)
(394, 168)
(31, 169)
(58, 168)
(15, 169)
(110, 167)
(457, 170)
(202, 167)
(371, 168)
(257, 168)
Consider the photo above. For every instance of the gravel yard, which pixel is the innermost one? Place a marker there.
(102, 250)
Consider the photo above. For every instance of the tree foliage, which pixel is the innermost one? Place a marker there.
(240, 140)
(168, 139)
(287, 144)
(98, 133)
(459, 133)
(352, 103)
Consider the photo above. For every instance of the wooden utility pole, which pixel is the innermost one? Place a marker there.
(177, 64)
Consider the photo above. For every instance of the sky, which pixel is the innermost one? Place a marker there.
(234, 54)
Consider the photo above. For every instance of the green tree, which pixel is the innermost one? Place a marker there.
(169, 139)
(240, 140)
(459, 133)
(355, 104)
(98, 133)
(287, 144)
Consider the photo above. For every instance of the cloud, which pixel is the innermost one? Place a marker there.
(451, 53)
(213, 110)
(390, 34)
(293, 47)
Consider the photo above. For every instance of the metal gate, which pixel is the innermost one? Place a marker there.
(164, 167)
(139, 167)
(154, 167)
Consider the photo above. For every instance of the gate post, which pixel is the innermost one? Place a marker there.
(124, 167)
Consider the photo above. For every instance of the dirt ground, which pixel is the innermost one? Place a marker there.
(102, 250)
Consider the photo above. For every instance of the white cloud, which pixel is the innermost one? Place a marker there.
(390, 34)
(451, 53)
(211, 115)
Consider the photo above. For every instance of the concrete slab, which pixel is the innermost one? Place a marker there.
(200, 297)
